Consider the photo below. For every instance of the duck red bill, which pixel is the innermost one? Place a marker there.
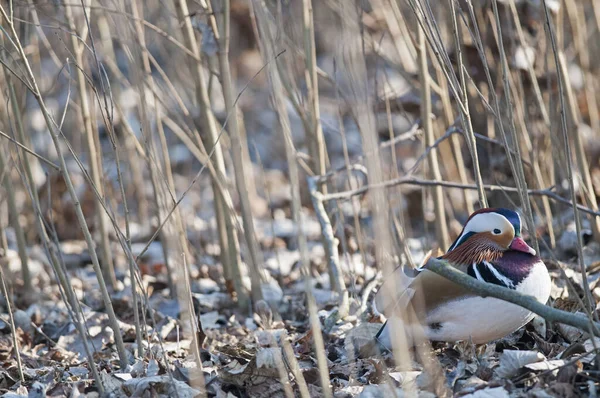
(519, 244)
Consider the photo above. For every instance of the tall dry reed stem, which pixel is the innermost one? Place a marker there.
(267, 31)
(55, 135)
(354, 69)
(454, 140)
(13, 329)
(240, 163)
(562, 81)
(67, 292)
(515, 162)
(457, 86)
(139, 327)
(224, 218)
(10, 192)
(13, 213)
(441, 227)
(78, 37)
(316, 141)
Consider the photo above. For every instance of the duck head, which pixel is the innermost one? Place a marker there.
(487, 235)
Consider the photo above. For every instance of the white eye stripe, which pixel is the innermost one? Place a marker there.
(484, 222)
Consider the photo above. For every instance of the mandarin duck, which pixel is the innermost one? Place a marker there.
(489, 248)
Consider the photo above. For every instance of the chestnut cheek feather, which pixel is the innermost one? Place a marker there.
(503, 240)
(475, 250)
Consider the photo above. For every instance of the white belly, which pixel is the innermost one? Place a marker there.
(486, 319)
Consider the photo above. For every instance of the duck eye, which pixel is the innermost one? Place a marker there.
(497, 231)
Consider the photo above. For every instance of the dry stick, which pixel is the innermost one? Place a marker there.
(516, 166)
(13, 213)
(10, 193)
(124, 246)
(409, 135)
(30, 151)
(131, 257)
(196, 326)
(517, 118)
(271, 208)
(353, 64)
(317, 150)
(72, 192)
(454, 140)
(132, 269)
(582, 163)
(162, 219)
(240, 162)
(147, 24)
(331, 242)
(197, 151)
(526, 136)
(532, 77)
(588, 75)
(399, 340)
(351, 181)
(151, 158)
(465, 115)
(314, 135)
(130, 142)
(189, 311)
(398, 219)
(457, 88)
(64, 283)
(225, 219)
(562, 80)
(3, 241)
(223, 45)
(13, 329)
(170, 183)
(290, 356)
(133, 144)
(284, 378)
(94, 152)
(526, 133)
(441, 227)
(223, 38)
(42, 35)
(170, 186)
(444, 269)
(449, 184)
(398, 28)
(267, 47)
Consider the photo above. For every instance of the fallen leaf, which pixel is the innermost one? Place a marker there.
(511, 361)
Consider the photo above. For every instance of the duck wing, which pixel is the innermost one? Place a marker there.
(424, 292)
